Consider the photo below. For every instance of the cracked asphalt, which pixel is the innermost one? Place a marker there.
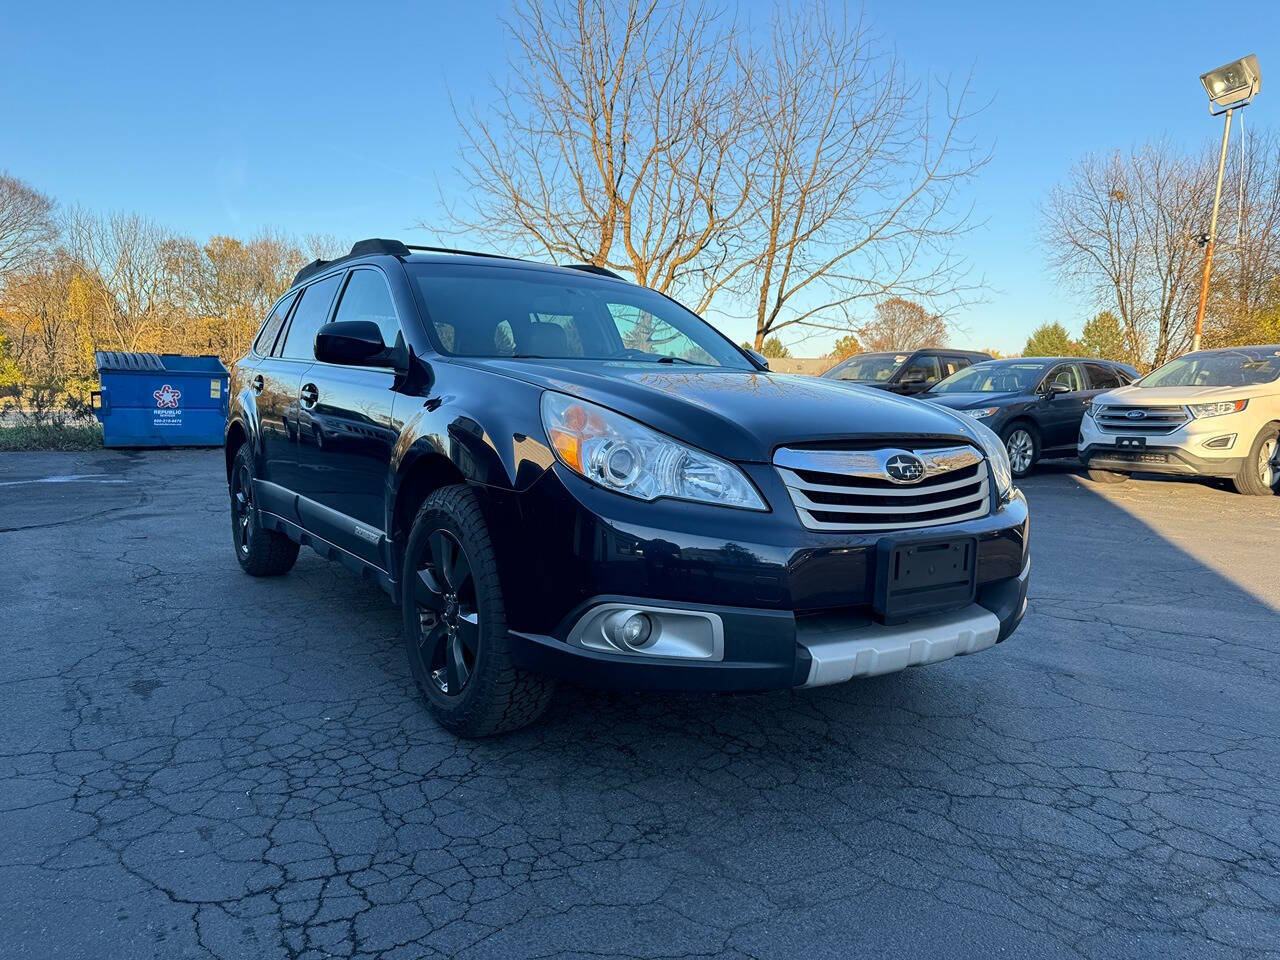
(197, 764)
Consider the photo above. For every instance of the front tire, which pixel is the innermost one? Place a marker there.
(455, 625)
(1107, 476)
(261, 552)
(1022, 442)
(1257, 477)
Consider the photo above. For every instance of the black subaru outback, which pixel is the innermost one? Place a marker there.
(557, 473)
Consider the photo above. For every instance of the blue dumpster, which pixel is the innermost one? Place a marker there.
(160, 399)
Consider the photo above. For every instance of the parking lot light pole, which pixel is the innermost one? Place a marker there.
(1230, 87)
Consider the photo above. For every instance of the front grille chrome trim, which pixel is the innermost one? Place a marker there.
(810, 474)
(1115, 418)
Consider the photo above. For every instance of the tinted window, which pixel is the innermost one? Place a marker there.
(366, 297)
(503, 312)
(308, 317)
(1067, 375)
(1102, 378)
(926, 367)
(952, 365)
(267, 336)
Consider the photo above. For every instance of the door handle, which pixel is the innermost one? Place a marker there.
(257, 383)
(309, 395)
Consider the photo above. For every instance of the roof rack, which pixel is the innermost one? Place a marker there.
(592, 268)
(361, 248)
(465, 253)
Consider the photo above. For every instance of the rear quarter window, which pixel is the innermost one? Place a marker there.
(271, 326)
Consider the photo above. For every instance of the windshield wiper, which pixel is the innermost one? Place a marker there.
(669, 359)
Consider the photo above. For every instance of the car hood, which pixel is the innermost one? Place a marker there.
(738, 415)
(966, 401)
(1137, 396)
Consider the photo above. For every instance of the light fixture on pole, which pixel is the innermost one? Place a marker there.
(1230, 87)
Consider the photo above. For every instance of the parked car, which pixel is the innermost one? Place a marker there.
(906, 371)
(1213, 413)
(1034, 404)
(557, 473)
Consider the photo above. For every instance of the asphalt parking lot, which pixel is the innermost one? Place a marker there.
(194, 763)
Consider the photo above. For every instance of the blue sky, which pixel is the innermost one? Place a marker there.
(223, 118)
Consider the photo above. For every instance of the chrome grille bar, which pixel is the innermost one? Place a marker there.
(850, 490)
(1115, 418)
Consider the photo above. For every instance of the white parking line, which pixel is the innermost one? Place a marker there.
(66, 478)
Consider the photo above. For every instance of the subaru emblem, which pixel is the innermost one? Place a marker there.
(904, 468)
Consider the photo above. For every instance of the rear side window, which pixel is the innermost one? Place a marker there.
(1103, 378)
(308, 317)
(267, 336)
(367, 298)
(952, 365)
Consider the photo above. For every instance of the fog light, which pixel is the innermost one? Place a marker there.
(1221, 443)
(634, 631)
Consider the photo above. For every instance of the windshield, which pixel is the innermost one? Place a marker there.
(481, 311)
(997, 376)
(868, 368)
(1225, 368)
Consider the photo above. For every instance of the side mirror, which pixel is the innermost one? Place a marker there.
(1053, 389)
(915, 379)
(353, 343)
(758, 358)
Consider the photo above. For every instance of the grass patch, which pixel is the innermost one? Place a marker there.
(49, 436)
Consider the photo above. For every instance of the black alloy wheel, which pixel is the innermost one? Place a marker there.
(448, 642)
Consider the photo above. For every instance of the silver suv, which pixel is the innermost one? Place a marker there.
(1213, 413)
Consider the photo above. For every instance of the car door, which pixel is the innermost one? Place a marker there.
(348, 434)
(282, 380)
(1058, 415)
(274, 383)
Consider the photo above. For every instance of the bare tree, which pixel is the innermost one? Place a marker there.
(1245, 301)
(857, 175)
(132, 261)
(902, 325)
(27, 226)
(618, 141)
(1124, 230)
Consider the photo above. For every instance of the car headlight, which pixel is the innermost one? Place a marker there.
(981, 413)
(997, 457)
(1089, 407)
(1199, 410)
(619, 454)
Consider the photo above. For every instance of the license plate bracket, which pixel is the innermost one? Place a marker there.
(1132, 443)
(915, 577)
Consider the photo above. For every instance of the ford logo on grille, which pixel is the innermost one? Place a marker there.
(904, 468)
(1137, 414)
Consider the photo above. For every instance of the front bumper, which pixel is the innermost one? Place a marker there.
(786, 650)
(1182, 452)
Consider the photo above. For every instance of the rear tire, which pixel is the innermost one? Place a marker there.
(455, 625)
(261, 552)
(1022, 443)
(1107, 476)
(1257, 477)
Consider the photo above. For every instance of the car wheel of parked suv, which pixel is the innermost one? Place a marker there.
(1256, 477)
(1023, 444)
(262, 553)
(455, 625)
(1107, 476)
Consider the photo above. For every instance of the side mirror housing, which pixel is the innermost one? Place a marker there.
(353, 343)
(1053, 389)
(758, 358)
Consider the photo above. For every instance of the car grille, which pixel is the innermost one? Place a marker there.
(850, 490)
(1142, 420)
